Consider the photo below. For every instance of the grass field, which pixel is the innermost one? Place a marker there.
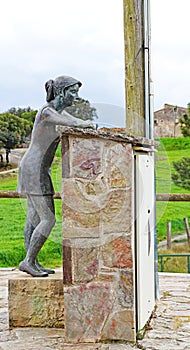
(12, 222)
(176, 264)
(169, 151)
(13, 211)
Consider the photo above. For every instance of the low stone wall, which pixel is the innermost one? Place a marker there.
(98, 235)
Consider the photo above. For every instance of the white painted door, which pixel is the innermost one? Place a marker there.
(145, 213)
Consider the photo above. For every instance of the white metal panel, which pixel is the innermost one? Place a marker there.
(145, 213)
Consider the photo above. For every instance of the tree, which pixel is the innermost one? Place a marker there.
(82, 109)
(30, 116)
(182, 176)
(185, 122)
(19, 110)
(13, 131)
(26, 113)
(3, 128)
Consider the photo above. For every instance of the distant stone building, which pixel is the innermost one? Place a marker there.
(166, 121)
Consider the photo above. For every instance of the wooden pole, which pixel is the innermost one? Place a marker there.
(173, 197)
(134, 67)
(14, 194)
(187, 230)
(169, 236)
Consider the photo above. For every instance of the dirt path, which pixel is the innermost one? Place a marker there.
(15, 157)
(163, 244)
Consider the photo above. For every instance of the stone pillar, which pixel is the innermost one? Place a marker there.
(98, 236)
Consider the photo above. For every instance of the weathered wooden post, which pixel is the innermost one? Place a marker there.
(169, 235)
(187, 229)
(137, 68)
(134, 67)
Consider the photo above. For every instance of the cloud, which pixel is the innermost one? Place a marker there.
(44, 39)
(170, 51)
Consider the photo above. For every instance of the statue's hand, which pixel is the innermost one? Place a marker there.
(87, 124)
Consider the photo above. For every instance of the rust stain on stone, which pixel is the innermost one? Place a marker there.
(92, 164)
(122, 253)
(93, 268)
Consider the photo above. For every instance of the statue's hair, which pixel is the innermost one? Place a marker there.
(52, 87)
(49, 90)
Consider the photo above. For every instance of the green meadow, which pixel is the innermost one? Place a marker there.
(12, 222)
(170, 150)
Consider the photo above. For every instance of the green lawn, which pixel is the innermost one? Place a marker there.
(169, 151)
(12, 222)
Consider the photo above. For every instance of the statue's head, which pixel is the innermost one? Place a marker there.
(63, 91)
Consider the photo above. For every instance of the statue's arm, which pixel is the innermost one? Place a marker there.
(64, 118)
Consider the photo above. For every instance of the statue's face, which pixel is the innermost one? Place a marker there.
(65, 97)
(71, 94)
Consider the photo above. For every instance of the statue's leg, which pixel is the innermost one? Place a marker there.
(32, 221)
(44, 206)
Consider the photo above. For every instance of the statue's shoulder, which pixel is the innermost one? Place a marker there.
(43, 109)
(43, 112)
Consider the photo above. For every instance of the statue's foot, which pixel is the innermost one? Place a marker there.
(31, 270)
(44, 269)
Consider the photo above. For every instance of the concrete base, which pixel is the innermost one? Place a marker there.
(36, 302)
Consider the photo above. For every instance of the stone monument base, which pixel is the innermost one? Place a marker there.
(36, 302)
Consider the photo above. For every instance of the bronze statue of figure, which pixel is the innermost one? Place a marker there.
(34, 172)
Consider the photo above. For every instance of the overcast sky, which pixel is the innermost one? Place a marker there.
(42, 39)
(171, 52)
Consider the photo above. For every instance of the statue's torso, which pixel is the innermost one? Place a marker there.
(34, 172)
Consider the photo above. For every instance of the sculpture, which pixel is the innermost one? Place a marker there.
(34, 171)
